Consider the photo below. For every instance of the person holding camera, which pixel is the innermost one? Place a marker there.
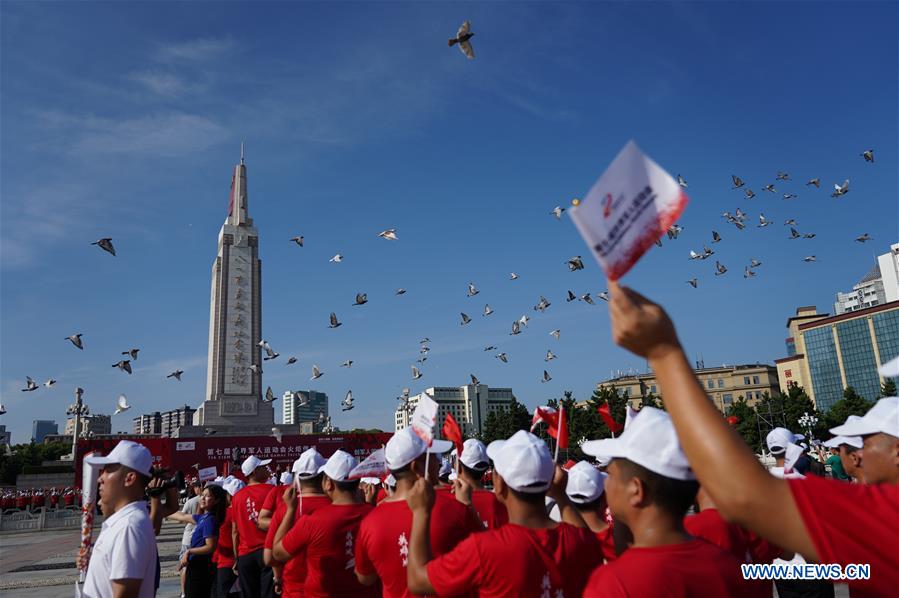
(124, 558)
(197, 559)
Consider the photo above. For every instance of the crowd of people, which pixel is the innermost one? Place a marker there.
(35, 498)
(676, 505)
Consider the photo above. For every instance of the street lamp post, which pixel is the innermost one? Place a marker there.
(807, 422)
(78, 408)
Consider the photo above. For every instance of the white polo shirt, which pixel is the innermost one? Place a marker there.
(125, 549)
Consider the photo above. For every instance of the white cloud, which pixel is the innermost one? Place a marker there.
(198, 50)
(161, 83)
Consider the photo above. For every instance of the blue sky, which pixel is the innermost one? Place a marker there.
(125, 120)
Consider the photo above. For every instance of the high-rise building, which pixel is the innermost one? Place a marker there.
(148, 423)
(41, 427)
(723, 385)
(95, 423)
(233, 402)
(469, 406)
(867, 292)
(174, 419)
(889, 272)
(826, 354)
(5, 435)
(305, 407)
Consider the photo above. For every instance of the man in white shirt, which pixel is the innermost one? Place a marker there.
(123, 560)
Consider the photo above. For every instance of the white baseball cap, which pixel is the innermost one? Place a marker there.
(308, 464)
(130, 454)
(474, 454)
(882, 417)
(233, 486)
(371, 481)
(523, 461)
(251, 463)
(778, 440)
(445, 468)
(890, 369)
(837, 441)
(339, 466)
(585, 483)
(651, 442)
(405, 446)
(286, 478)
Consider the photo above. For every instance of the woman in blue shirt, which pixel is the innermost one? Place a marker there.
(197, 558)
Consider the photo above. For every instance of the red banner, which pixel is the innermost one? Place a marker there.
(184, 453)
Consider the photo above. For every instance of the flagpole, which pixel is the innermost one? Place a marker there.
(556, 455)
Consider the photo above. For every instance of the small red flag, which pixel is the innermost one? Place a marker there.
(451, 431)
(733, 420)
(562, 432)
(606, 413)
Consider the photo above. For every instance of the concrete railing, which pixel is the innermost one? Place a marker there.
(42, 518)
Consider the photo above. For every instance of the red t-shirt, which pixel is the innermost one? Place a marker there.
(852, 523)
(694, 568)
(224, 550)
(516, 561)
(711, 527)
(274, 502)
(607, 544)
(491, 512)
(382, 546)
(328, 538)
(275, 497)
(245, 507)
(293, 576)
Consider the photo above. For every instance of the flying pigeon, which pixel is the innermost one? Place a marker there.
(523, 320)
(674, 230)
(763, 222)
(754, 263)
(516, 328)
(291, 360)
(316, 373)
(502, 357)
(575, 264)
(389, 234)
(421, 360)
(794, 234)
(347, 403)
(472, 290)
(3, 412)
(30, 385)
(124, 365)
(425, 340)
(463, 35)
(557, 212)
(105, 244)
(49, 382)
(863, 238)
(337, 258)
(747, 273)
(815, 181)
(693, 282)
(276, 434)
(715, 237)
(121, 404)
(720, 268)
(546, 376)
(298, 240)
(604, 295)
(556, 333)
(487, 310)
(269, 395)
(416, 373)
(76, 340)
(132, 352)
(465, 319)
(808, 236)
(571, 296)
(839, 190)
(176, 375)
(696, 256)
(790, 196)
(401, 291)
(587, 298)
(425, 349)
(750, 193)
(334, 323)
(490, 348)
(658, 241)
(790, 222)
(474, 380)
(868, 155)
(770, 188)
(347, 364)
(269, 352)
(549, 356)
(361, 299)
(738, 182)
(740, 215)
(782, 176)
(706, 252)
(809, 258)
(255, 368)
(513, 276)
(542, 304)
(682, 181)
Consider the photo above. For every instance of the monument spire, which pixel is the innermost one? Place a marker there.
(237, 205)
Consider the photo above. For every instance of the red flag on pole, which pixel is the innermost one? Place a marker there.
(451, 431)
(606, 413)
(547, 415)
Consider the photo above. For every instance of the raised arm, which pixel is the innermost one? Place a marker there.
(724, 465)
(290, 500)
(421, 501)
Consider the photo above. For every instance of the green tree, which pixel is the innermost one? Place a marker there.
(502, 423)
(793, 406)
(29, 455)
(888, 388)
(851, 404)
(617, 406)
(747, 426)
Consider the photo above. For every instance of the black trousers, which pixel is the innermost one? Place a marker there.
(256, 580)
(200, 576)
(224, 581)
(804, 588)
